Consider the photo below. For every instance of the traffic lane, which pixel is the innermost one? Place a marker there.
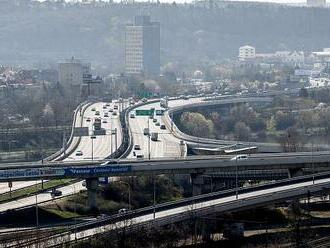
(261, 194)
(41, 198)
(101, 143)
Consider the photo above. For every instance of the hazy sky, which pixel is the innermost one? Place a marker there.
(183, 1)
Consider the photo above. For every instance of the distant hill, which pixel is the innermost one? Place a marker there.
(32, 33)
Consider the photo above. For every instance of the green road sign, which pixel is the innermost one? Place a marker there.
(144, 112)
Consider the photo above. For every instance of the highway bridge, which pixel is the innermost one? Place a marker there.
(194, 207)
(319, 161)
(167, 155)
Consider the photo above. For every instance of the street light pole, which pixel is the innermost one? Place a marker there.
(149, 139)
(92, 138)
(313, 162)
(154, 214)
(75, 213)
(116, 138)
(37, 214)
(236, 176)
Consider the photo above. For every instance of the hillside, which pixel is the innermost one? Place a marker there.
(33, 33)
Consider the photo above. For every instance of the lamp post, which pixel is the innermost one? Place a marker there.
(313, 163)
(149, 139)
(92, 138)
(154, 196)
(236, 176)
(75, 213)
(37, 215)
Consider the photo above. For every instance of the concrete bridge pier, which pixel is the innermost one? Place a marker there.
(197, 182)
(91, 185)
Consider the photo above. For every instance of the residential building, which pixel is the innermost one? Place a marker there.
(246, 53)
(142, 47)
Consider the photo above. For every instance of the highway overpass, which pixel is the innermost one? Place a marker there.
(194, 207)
(318, 161)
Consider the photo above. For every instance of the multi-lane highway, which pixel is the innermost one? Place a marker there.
(78, 149)
(98, 146)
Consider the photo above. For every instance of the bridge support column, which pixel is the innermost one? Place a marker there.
(91, 185)
(295, 172)
(197, 183)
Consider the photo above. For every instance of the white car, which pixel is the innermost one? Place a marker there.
(240, 157)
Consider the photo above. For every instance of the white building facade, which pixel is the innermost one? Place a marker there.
(246, 53)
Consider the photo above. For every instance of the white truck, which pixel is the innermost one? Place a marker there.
(164, 103)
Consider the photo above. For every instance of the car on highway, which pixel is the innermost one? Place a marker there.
(56, 192)
(104, 121)
(104, 107)
(79, 153)
(154, 120)
(144, 100)
(139, 156)
(110, 110)
(106, 115)
(93, 109)
(108, 105)
(240, 157)
(114, 113)
(132, 115)
(137, 147)
(122, 211)
(162, 127)
(97, 112)
(88, 120)
(112, 161)
(115, 107)
(157, 124)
